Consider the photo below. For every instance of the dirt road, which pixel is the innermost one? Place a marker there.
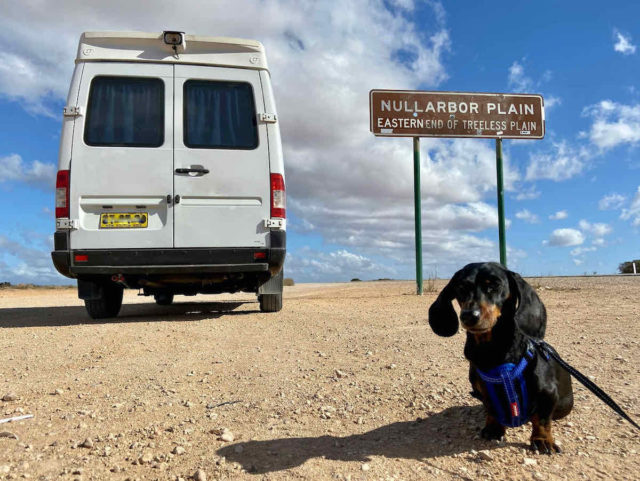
(347, 382)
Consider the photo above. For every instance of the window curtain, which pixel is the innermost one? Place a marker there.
(219, 115)
(126, 111)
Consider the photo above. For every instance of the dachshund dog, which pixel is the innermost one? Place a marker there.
(500, 313)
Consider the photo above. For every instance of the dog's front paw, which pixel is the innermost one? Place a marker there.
(545, 446)
(492, 431)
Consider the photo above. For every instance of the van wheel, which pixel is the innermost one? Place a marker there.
(270, 302)
(163, 299)
(108, 304)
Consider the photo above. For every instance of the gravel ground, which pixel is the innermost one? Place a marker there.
(347, 382)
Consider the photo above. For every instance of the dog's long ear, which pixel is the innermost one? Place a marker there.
(530, 315)
(442, 317)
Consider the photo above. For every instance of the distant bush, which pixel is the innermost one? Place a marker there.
(627, 267)
(288, 281)
(355, 279)
(5, 284)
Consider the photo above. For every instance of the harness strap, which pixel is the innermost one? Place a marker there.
(547, 351)
(500, 383)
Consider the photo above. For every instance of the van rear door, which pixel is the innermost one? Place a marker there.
(122, 157)
(221, 158)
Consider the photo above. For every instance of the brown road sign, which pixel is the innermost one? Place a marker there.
(405, 113)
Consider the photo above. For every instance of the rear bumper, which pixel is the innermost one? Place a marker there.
(145, 262)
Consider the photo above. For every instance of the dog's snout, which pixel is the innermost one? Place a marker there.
(470, 317)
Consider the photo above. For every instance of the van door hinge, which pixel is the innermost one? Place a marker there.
(274, 223)
(268, 118)
(72, 111)
(66, 224)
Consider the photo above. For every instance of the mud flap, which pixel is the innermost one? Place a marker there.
(273, 285)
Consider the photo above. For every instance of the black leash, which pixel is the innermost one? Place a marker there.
(547, 351)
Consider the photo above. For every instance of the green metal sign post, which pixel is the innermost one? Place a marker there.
(418, 212)
(501, 223)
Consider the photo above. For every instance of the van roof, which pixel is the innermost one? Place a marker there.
(150, 47)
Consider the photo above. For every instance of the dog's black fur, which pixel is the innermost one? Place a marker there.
(499, 311)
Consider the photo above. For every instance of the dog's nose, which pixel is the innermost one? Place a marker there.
(470, 317)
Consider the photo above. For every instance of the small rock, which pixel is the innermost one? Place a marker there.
(88, 443)
(340, 373)
(7, 434)
(227, 436)
(146, 458)
(485, 455)
(10, 396)
(200, 475)
(58, 392)
(178, 450)
(365, 467)
(529, 462)
(238, 449)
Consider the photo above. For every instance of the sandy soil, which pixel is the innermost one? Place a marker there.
(346, 382)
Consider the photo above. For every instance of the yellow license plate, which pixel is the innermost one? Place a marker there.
(124, 220)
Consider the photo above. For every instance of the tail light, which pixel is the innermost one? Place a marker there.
(62, 194)
(278, 197)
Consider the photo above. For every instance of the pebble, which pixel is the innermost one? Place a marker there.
(178, 450)
(365, 467)
(88, 443)
(10, 396)
(200, 475)
(485, 455)
(227, 436)
(7, 434)
(146, 458)
(58, 392)
(529, 462)
(238, 449)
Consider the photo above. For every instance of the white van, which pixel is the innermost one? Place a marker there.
(171, 178)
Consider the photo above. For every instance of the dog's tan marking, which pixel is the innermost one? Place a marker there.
(541, 437)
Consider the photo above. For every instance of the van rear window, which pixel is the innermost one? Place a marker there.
(219, 115)
(125, 112)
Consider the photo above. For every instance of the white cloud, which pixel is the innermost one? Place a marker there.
(527, 216)
(527, 193)
(308, 265)
(633, 211)
(520, 82)
(566, 237)
(578, 251)
(39, 174)
(612, 202)
(613, 124)
(22, 263)
(561, 214)
(597, 229)
(562, 162)
(623, 44)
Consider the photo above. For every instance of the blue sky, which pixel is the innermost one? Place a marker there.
(572, 199)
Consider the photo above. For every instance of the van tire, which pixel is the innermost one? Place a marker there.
(164, 299)
(270, 302)
(108, 304)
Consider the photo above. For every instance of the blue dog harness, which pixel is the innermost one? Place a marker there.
(507, 390)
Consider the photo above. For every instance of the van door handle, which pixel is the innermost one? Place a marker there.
(197, 170)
